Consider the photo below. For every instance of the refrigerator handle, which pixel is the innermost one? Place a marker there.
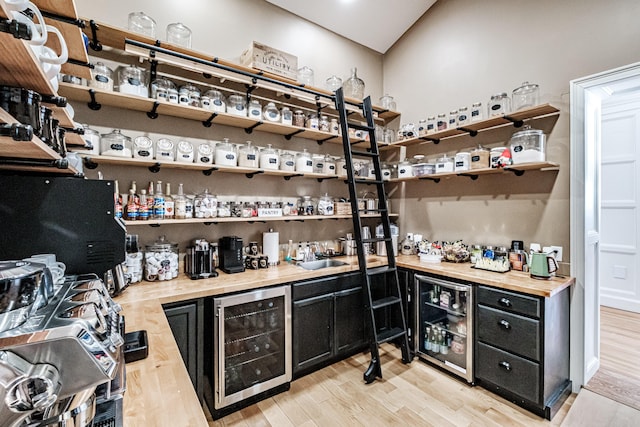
(221, 377)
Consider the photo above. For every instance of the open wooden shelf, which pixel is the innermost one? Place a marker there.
(518, 169)
(137, 103)
(218, 220)
(514, 118)
(115, 37)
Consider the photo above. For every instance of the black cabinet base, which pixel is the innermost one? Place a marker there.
(548, 411)
(219, 413)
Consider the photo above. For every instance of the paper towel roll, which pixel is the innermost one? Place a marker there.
(271, 246)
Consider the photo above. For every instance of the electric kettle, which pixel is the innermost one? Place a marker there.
(542, 265)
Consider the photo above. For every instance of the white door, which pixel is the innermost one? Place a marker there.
(620, 202)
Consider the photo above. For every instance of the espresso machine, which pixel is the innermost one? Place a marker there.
(200, 260)
(231, 254)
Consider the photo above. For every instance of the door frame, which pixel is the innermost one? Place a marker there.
(587, 94)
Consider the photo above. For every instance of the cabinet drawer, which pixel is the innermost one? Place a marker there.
(517, 303)
(510, 372)
(517, 334)
(313, 288)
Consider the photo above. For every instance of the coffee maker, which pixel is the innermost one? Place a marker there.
(199, 262)
(231, 254)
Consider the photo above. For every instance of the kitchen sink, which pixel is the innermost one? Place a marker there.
(321, 263)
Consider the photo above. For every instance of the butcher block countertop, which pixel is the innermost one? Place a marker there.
(159, 391)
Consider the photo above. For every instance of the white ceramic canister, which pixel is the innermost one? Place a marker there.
(226, 154)
(165, 149)
(184, 152)
(142, 148)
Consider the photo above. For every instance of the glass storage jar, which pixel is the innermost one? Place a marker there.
(431, 124)
(286, 116)
(298, 118)
(225, 154)
(132, 80)
(237, 105)
(385, 169)
(329, 165)
(476, 112)
(184, 152)
(312, 121)
(91, 139)
(205, 205)
(323, 125)
(525, 96)
(204, 153)
(224, 209)
(453, 119)
(189, 95)
(405, 169)
(248, 156)
(479, 158)
(269, 158)
(499, 104)
(115, 144)
(101, 77)
(333, 83)
(387, 102)
(463, 116)
(161, 260)
(160, 89)
(305, 76)
(165, 149)
(422, 127)
(341, 167)
(214, 100)
(254, 109)
(306, 206)
(445, 164)
(271, 112)
(494, 156)
(528, 145)
(287, 161)
(325, 205)
(463, 161)
(318, 162)
(334, 127)
(141, 23)
(179, 34)
(354, 86)
(142, 148)
(442, 123)
(304, 163)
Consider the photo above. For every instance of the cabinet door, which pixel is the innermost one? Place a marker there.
(185, 320)
(312, 331)
(349, 321)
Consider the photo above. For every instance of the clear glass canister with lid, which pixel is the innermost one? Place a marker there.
(525, 96)
(341, 167)
(254, 109)
(299, 118)
(318, 162)
(329, 165)
(286, 116)
(189, 95)
(431, 124)
(453, 119)
(214, 100)
(91, 140)
(101, 77)
(324, 125)
(161, 260)
(287, 161)
(248, 156)
(405, 169)
(269, 158)
(479, 158)
(499, 104)
(334, 127)
(115, 144)
(441, 122)
(463, 116)
(312, 121)
(304, 163)
(141, 23)
(237, 105)
(306, 206)
(422, 127)
(476, 112)
(205, 205)
(462, 161)
(204, 153)
(528, 145)
(184, 152)
(165, 149)
(445, 164)
(271, 112)
(225, 154)
(494, 157)
(325, 205)
(132, 80)
(160, 89)
(143, 147)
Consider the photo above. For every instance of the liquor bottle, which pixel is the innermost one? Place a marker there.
(169, 212)
(132, 207)
(158, 202)
(150, 199)
(117, 199)
(180, 204)
(143, 207)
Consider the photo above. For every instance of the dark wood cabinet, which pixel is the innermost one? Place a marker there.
(185, 320)
(522, 348)
(328, 321)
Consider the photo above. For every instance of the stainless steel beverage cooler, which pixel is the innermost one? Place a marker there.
(444, 328)
(251, 348)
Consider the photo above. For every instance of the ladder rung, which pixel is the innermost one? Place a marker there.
(368, 181)
(376, 239)
(360, 127)
(380, 270)
(372, 210)
(385, 302)
(389, 335)
(364, 153)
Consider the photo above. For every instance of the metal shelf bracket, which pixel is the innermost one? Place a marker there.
(93, 104)
(250, 129)
(153, 114)
(207, 123)
(154, 168)
(94, 43)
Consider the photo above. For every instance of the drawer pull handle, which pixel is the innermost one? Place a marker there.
(505, 302)
(505, 365)
(505, 324)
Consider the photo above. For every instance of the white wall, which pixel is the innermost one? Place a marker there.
(462, 51)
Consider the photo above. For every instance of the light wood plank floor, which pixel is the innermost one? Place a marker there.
(409, 395)
(619, 373)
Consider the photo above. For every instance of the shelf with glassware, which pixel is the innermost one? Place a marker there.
(251, 220)
(516, 118)
(26, 151)
(95, 98)
(517, 169)
(101, 34)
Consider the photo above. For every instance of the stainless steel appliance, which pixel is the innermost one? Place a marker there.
(444, 328)
(199, 262)
(231, 254)
(65, 359)
(251, 346)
